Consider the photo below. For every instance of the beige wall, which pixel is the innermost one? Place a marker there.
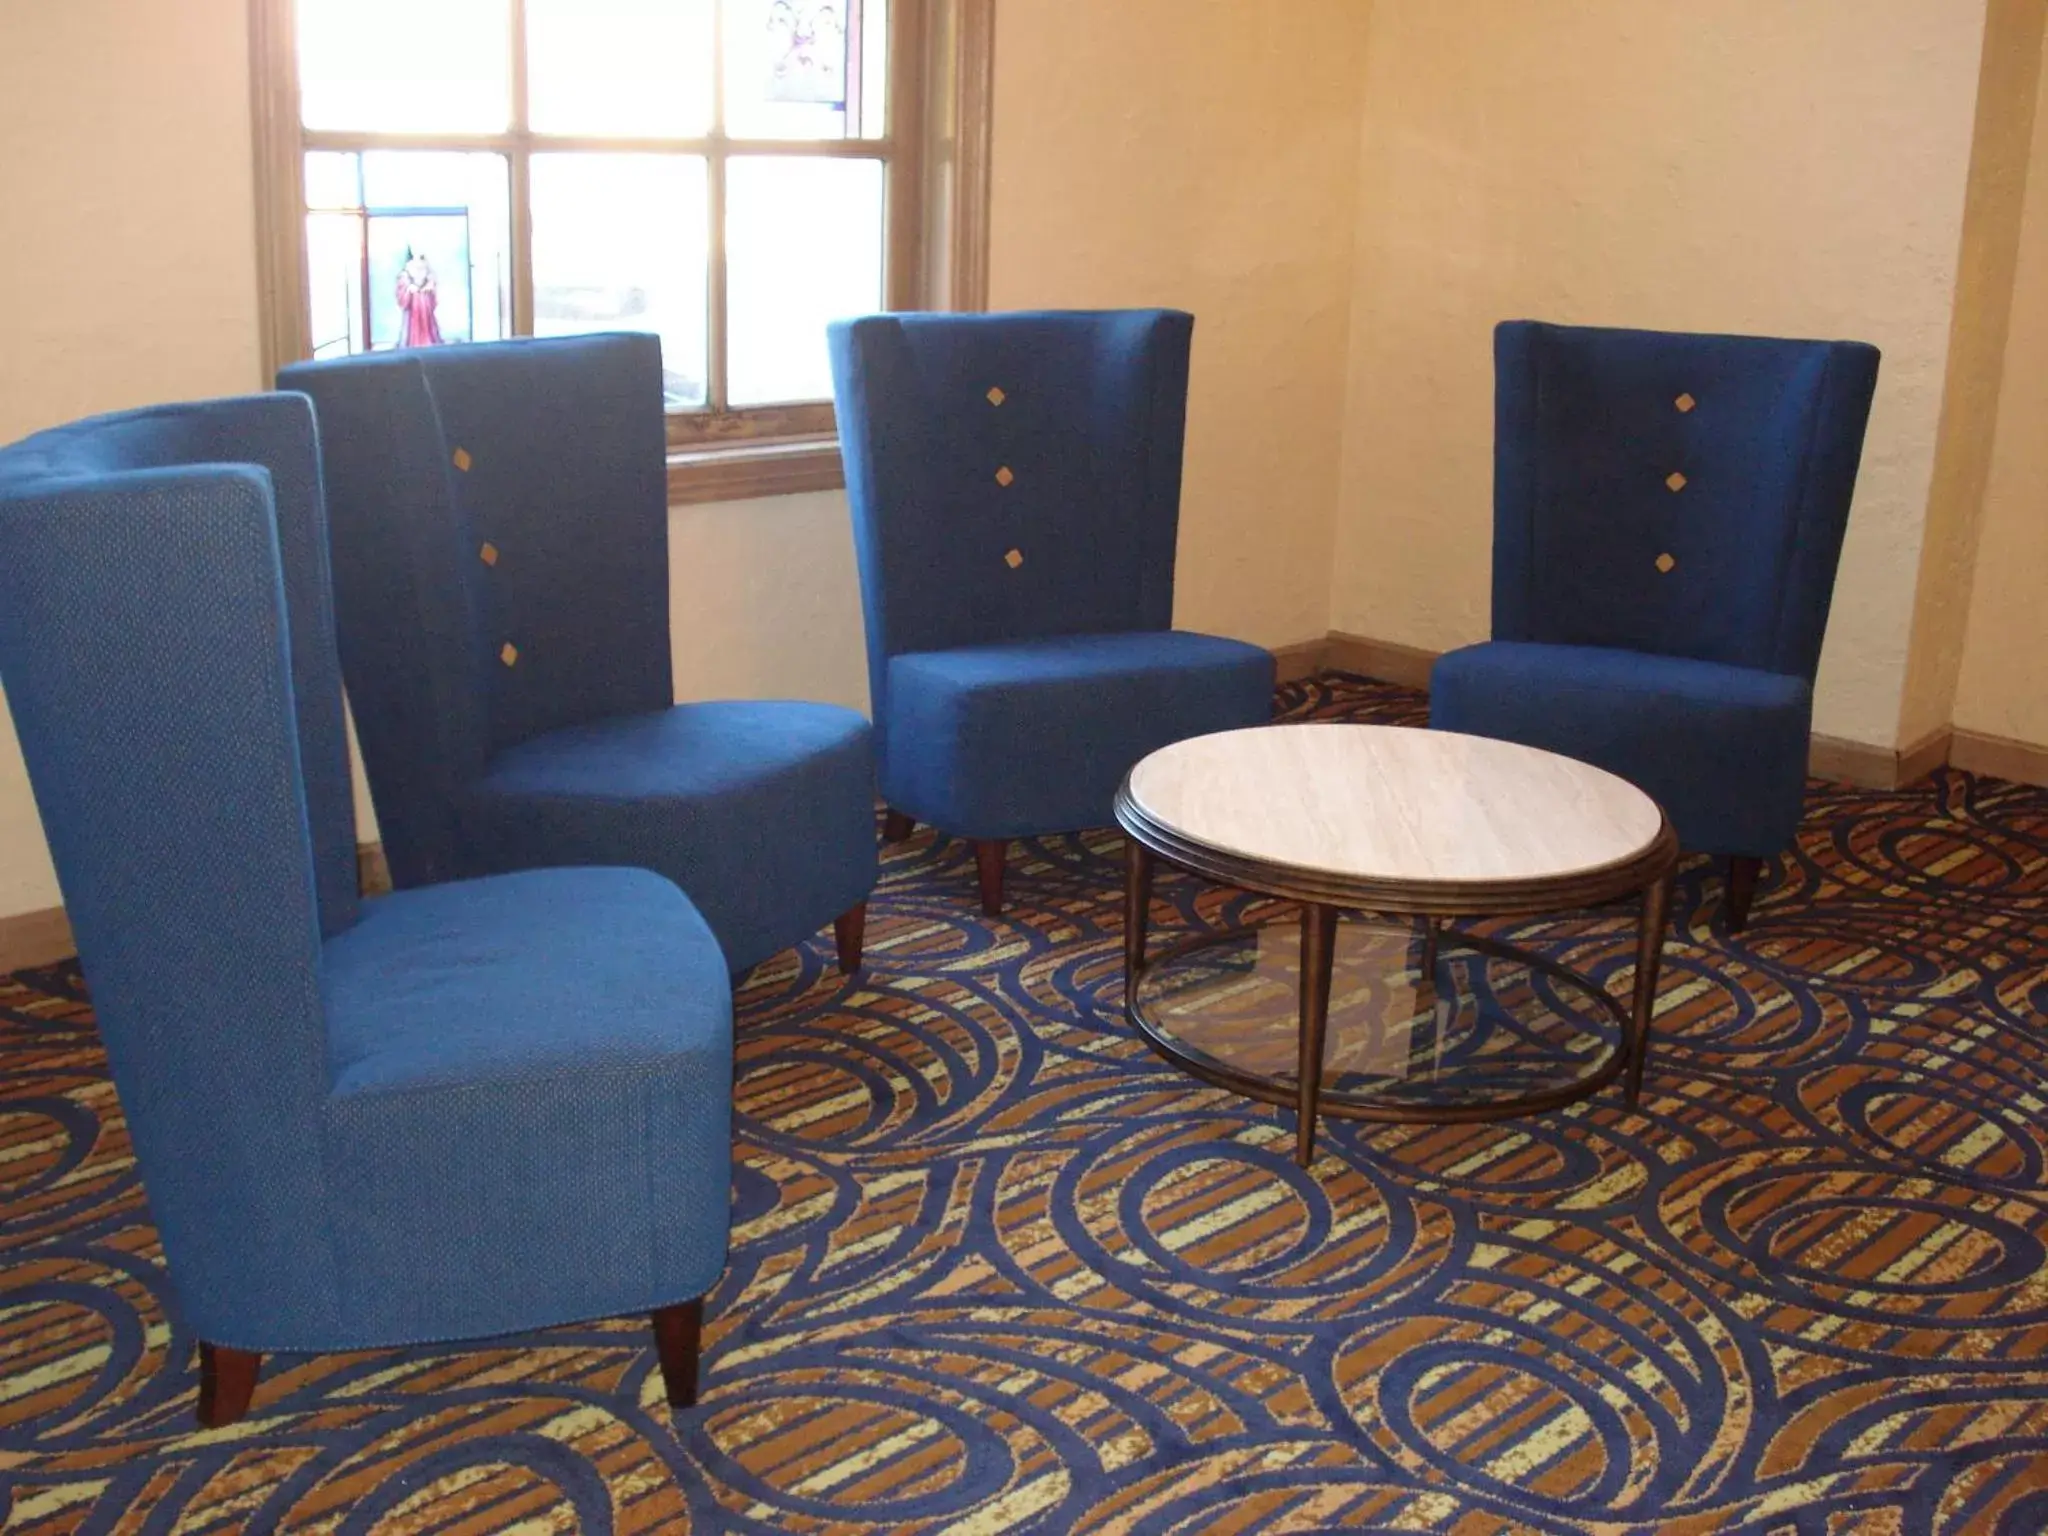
(764, 601)
(1734, 165)
(2007, 90)
(1200, 154)
(2003, 688)
(1347, 196)
(127, 267)
(1193, 154)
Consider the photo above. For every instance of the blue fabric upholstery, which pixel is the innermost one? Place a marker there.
(275, 439)
(1693, 734)
(749, 801)
(1009, 740)
(1015, 482)
(500, 525)
(557, 1047)
(451, 1113)
(1691, 675)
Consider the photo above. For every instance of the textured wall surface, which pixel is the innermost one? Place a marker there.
(2006, 106)
(1201, 154)
(128, 267)
(2003, 689)
(765, 603)
(1730, 165)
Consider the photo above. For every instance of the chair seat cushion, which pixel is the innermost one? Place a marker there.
(763, 812)
(1018, 739)
(529, 1116)
(1722, 749)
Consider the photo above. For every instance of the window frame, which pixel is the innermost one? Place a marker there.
(935, 152)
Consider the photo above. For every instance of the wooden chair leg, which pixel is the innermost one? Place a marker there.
(849, 928)
(990, 854)
(678, 1333)
(227, 1382)
(1742, 875)
(896, 827)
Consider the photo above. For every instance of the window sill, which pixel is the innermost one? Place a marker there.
(743, 471)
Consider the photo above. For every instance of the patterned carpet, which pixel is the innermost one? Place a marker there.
(996, 1267)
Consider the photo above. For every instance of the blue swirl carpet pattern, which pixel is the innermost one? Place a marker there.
(998, 1268)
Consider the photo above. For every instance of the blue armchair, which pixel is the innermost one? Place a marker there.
(1015, 484)
(1668, 513)
(500, 527)
(451, 1113)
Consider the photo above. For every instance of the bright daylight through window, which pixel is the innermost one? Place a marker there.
(717, 172)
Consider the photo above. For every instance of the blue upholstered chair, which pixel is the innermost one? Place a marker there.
(452, 1113)
(1668, 512)
(500, 524)
(1015, 482)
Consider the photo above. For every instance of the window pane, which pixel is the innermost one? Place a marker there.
(804, 69)
(626, 68)
(404, 66)
(336, 290)
(803, 247)
(620, 243)
(334, 181)
(408, 249)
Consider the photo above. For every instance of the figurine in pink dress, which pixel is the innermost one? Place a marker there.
(419, 295)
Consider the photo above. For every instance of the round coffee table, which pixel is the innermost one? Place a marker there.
(1435, 1024)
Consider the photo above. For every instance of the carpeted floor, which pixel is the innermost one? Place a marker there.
(996, 1267)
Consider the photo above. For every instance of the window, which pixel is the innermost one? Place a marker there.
(729, 175)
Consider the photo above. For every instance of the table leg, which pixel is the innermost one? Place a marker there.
(1318, 950)
(1137, 913)
(1649, 956)
(1429, 936)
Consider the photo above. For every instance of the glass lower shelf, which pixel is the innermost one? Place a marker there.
(1486, 1030)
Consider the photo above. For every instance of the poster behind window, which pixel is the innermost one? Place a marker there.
(419, 280)
(807, 49)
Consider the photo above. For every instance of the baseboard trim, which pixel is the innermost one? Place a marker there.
(31, 940)
(1930, 753)
(1856, 763)
(373, 871)
(2000, 757)
(1407, 665)
(1292, 663)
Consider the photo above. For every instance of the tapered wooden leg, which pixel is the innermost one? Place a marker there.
(227, 1381)
(990, 853)
(849, 928)
(1649, 957)
(896, 826)
(678, 1332)
(1429, 946)
(1318, 950)
(1742, 875)
(1137, 911)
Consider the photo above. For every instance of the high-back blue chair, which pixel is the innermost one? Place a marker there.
(500, 529)
(1015, 484)
(450, 1113)
(1668, 513)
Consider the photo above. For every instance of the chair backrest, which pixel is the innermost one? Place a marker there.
(500, 525)
(1680, 494)
(1011, 476)
(276, 436)
(177, 716)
